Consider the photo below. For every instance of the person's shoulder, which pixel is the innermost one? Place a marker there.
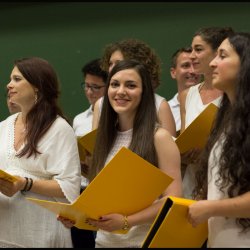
(161, 133)
(61, 125)
(80, 115)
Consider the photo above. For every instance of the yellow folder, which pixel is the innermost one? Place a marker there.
(196, 134)
(127, 184)
(86, 143)
(8, 177)
(171, 228)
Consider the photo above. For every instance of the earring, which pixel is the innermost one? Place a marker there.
(35, 97)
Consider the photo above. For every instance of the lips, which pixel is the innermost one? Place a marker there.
(121, 101)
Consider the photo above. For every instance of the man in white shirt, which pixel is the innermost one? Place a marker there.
(182, 71)
(94, 83)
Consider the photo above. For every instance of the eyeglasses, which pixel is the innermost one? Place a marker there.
(94, 88)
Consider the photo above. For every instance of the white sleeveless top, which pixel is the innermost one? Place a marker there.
(135, 236)
(194, 105)
(223, 232)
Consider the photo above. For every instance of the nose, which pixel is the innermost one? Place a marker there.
(213, 63)
(192, 55)
(121, 90)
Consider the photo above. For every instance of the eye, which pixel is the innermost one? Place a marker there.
(114, 84)
(17, 78)
(131, 85)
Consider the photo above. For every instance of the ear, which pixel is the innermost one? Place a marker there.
(173, 72)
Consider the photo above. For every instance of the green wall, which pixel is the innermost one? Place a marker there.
(68, 34)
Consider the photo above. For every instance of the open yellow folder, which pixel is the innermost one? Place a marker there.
(171, 228)
(86, 143)
(196, 134)
(127, 184)
(6, 176)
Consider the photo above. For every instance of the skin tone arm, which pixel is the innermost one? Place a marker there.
(166, 118)
(96, 115)
(45, 187)
(237, 207)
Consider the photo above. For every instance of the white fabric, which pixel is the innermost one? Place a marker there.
(21, 221)
(82, 123)
(223, 232)
(194, 106)
(135, 236)
(175, 108)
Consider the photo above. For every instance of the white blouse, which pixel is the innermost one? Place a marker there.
(25, 223)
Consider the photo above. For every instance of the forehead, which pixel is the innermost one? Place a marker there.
(198, 40)
(127, 74)
(225, 44)
(117, 55)
(184, 56)
(16, 71)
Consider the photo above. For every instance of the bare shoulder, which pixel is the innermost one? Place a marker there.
(162, 134)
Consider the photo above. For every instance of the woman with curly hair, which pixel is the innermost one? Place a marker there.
(223, 176)
(140, 51)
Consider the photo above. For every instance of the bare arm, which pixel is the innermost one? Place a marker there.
(96, 115)
(166, 118)
(44, 187)
(237, 207)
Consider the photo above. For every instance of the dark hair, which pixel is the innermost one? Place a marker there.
(177, 53)
(136, 50)
(214, 35)
(233, 123)
(94, 68)
(144, 123)
(40, 74)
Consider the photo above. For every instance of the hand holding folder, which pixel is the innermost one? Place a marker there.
(196, 134)
(8, 177)
(171, 228)
(126, 185)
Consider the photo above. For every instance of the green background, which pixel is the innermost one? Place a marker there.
(69, 34)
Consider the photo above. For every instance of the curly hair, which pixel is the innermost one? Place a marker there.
(137, 50)
(233, 122)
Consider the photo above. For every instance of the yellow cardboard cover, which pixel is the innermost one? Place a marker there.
(127, 184)
(171, 228)
(8, 177)
(86, 143)
(196, 134)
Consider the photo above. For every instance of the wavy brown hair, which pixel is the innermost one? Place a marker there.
(40, 74)
(138, 50)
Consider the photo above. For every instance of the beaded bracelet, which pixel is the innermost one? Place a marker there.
(30, 184)
(125, 223)
(26, 184)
